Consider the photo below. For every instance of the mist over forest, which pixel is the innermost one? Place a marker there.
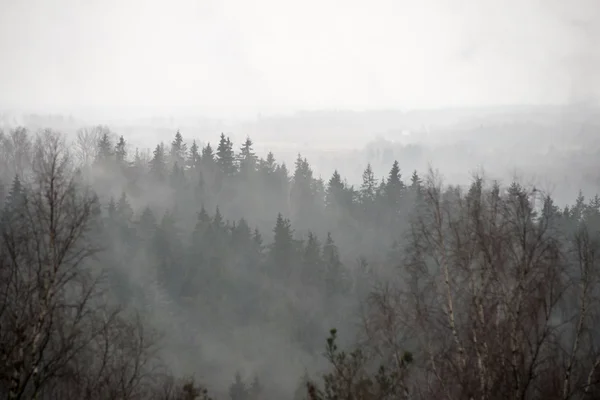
(311, 200)
(240, 265)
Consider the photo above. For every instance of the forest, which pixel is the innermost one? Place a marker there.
(196, 272)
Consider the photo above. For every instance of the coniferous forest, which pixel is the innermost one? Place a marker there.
(196, 272)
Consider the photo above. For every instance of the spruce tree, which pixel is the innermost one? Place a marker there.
(247, 158)
(146, 224)
(178, 150)
(394, 188)
(208, 156)
(312, 260)
(105, 148)
(112, 210)
(2, 195)
(333, 267)
(256, 389)
(193, 160)
(283, 245)
(335, 191)
(158, 164)
(124, 209)
(121, 151)
(177, 177)
(14, 200)
(268, 165)
(225, 156)
(238, 390)
(368, 187)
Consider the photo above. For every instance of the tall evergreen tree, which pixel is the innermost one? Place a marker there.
(178, 150)
(105, 148)
(368, 188)
(177, 178)
(247, 158)
(225, 156)
(394, 188)
(121, 151)
(268, 165)
(256, 389)
(415, 182)
(146, 224)
(158, 164)
(238, 389)
(334, 279)
(112, 210)
(124, 209)
(208, 156)
(2, 195)
(305, 190)
(335, 191)
(15, 199)
(312, 271)
(193, 160)
(283, 244)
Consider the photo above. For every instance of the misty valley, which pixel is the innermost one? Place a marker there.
(205, 271)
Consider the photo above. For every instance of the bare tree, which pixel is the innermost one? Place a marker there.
(59, 335)
(497, 300)
(86, 144)
(15, 152)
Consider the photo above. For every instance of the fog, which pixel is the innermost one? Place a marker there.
(421, 176)
(234, 57)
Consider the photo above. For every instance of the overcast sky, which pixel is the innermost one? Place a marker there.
(270, 55)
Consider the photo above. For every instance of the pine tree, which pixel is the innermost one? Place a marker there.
(241, 235)
(138, 162)
(319, 193)
(105, 148)
(335, 191)
(200, 191)
(14, 200)
(225, 156)
(268, 165)
(168, 251)
(333, 267)
(281, 179)
(576, 210)
(124, 209)
(146, 225)
(257, 239)
(247, 158)
(208, 156)
(158, 164)
(121, 151)
(415, 182)
(312, 260)
(257, 248)
(194, 158)
(256, 389)
(203, 223)
(177, 177)
(2, 195)
(304, 190)
(112, 210)
(283, 245)
(368, 187)
(238, 390)
(217, 221)
(178, 150)
(394, 187)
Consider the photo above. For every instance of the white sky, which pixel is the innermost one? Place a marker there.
(269, 55)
